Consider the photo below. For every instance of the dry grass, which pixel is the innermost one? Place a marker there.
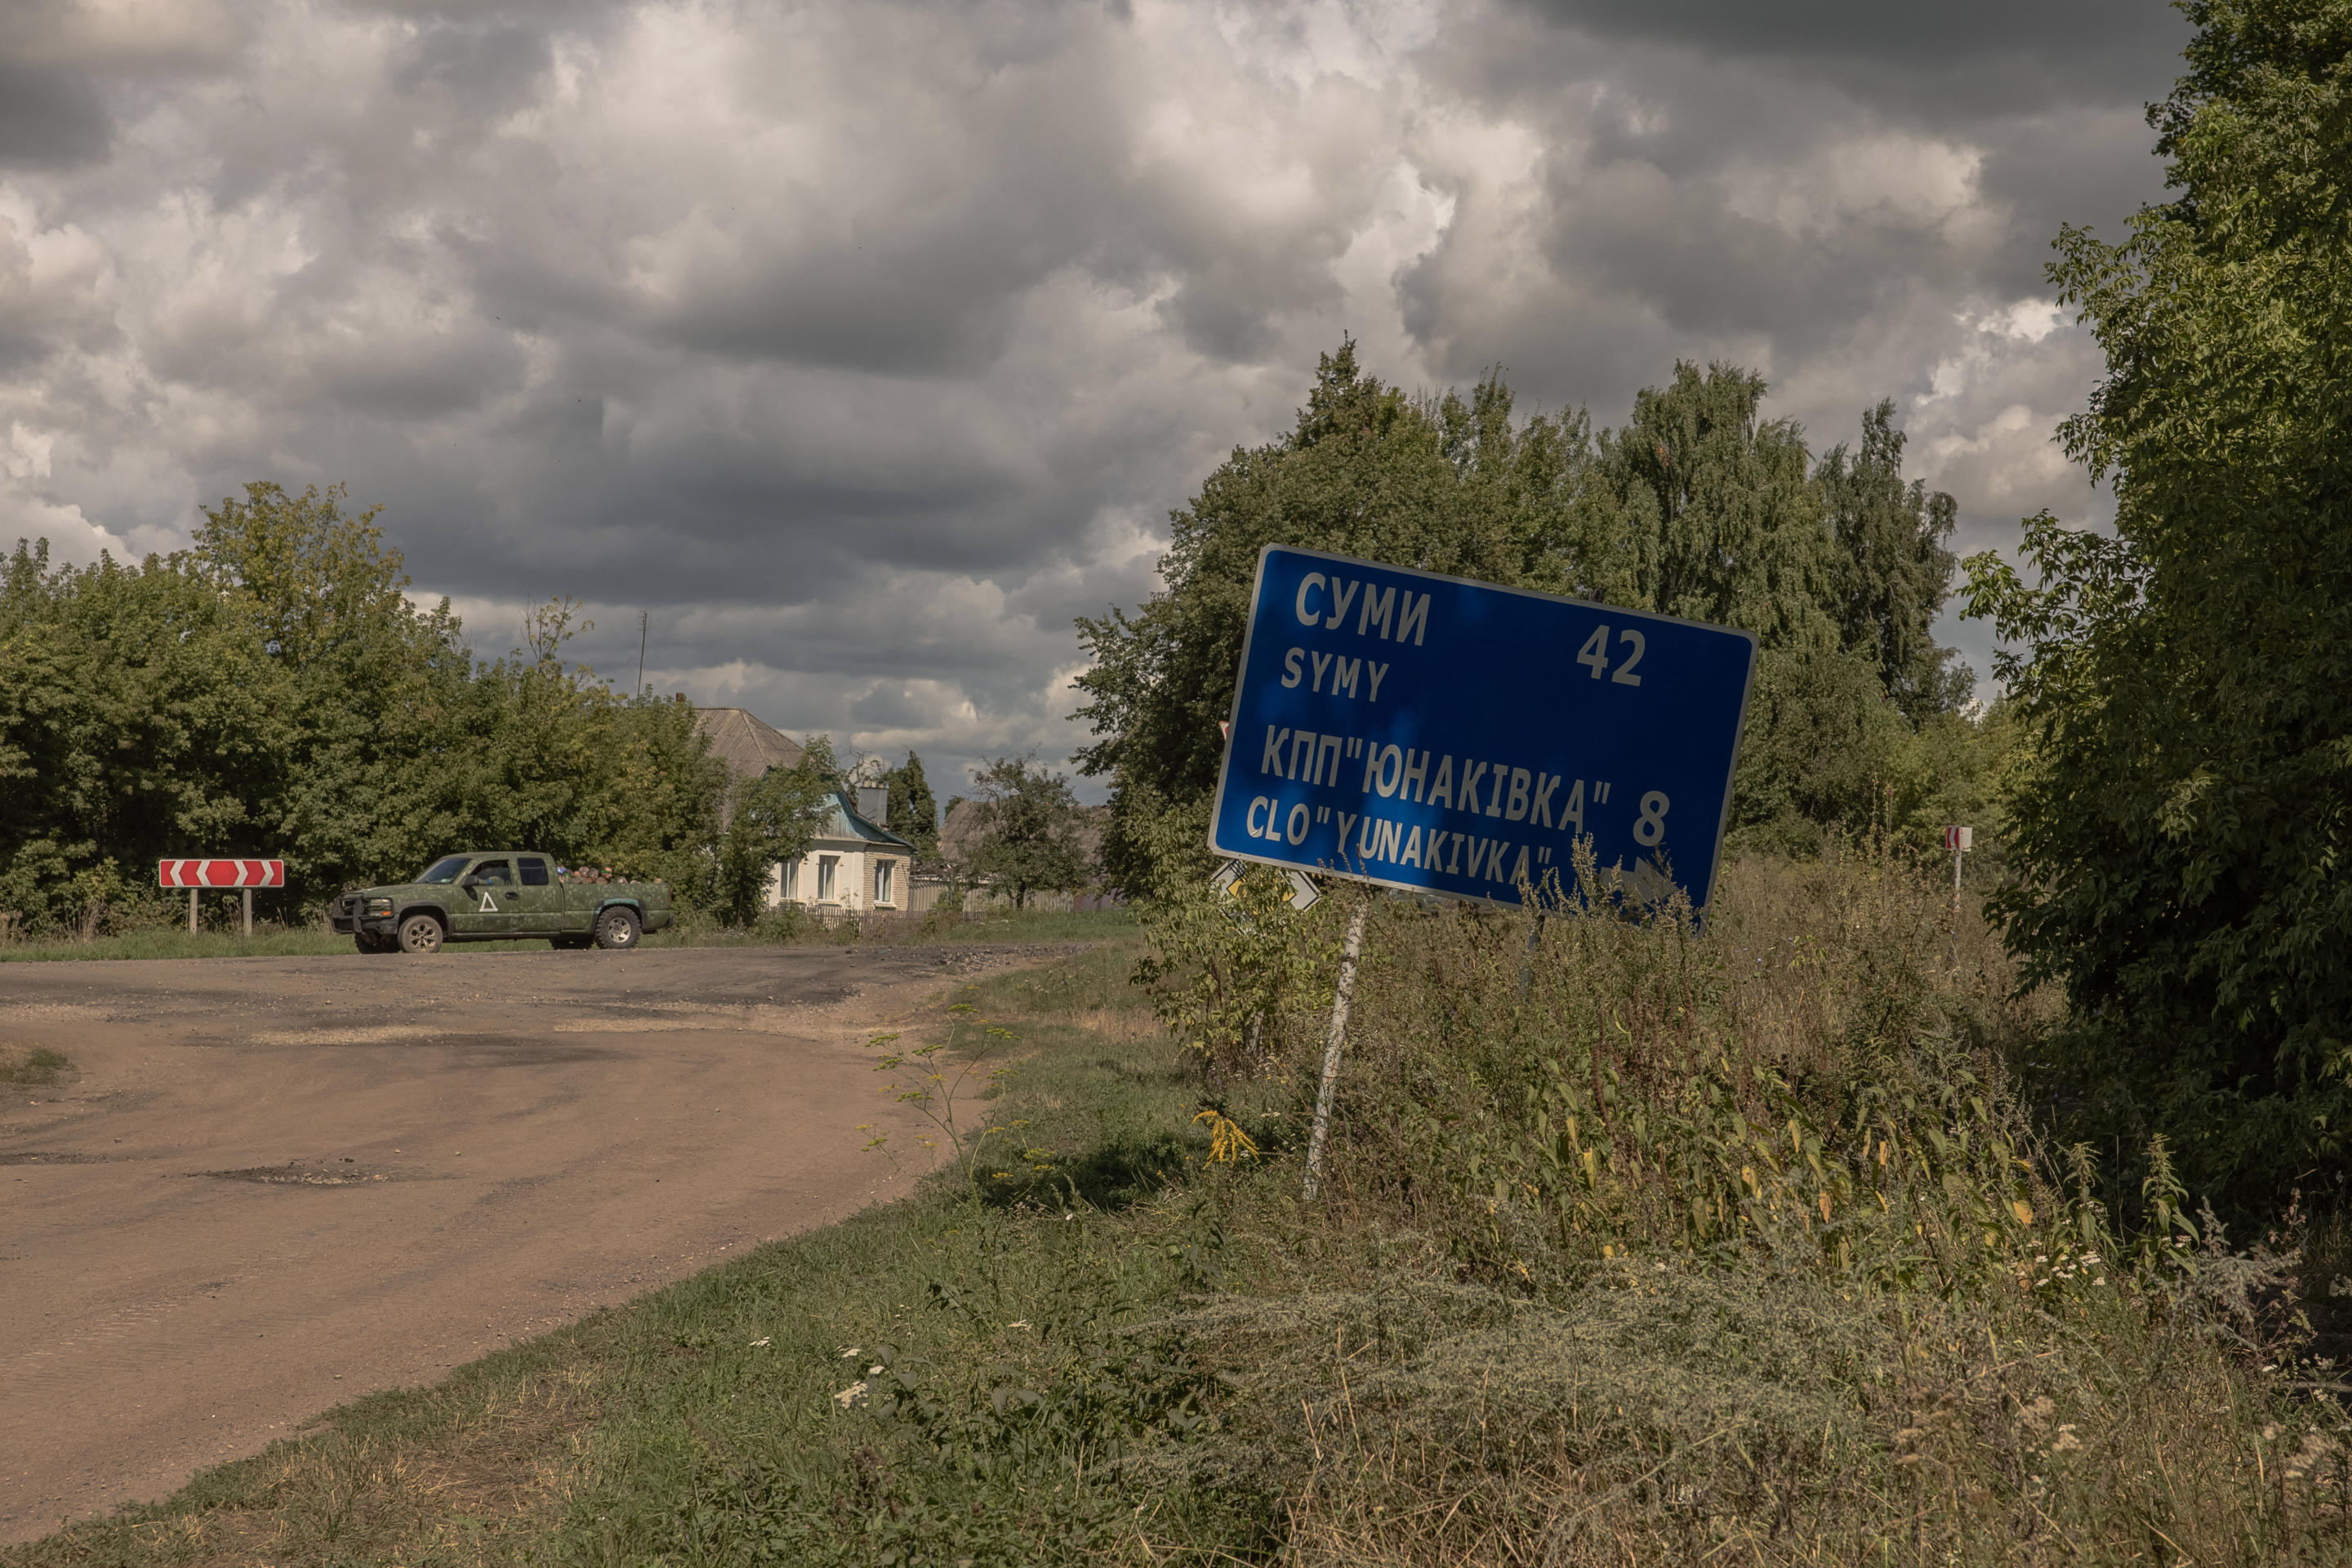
(1736, 1245)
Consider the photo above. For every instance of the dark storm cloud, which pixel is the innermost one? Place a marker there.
(49, 119)
(863, 345)
(1939, 60)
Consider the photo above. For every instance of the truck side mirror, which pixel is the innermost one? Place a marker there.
(471, 883)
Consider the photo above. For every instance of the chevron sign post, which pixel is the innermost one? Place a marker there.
(220, 874)
(197, 875)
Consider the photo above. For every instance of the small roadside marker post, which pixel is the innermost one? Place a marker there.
(1959, 840)
(1482, 734)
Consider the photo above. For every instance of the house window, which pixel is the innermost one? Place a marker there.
(792, 885)
(828, 875)
(882, 881)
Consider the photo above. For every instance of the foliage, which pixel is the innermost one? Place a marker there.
(1028, 830)
(1672, 1244)
(274, 692)
(1714, 520)
(1894, 567)
(1698, 507)
(772, 819)
(2180, 829)
(923, 1080)
(912, 813)
(1232, 974)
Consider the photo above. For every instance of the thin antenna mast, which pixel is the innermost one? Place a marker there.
(641, 650)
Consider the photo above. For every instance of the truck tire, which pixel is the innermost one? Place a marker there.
(421, 934)
(616, 929)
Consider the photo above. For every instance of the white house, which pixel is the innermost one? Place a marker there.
(854, 866)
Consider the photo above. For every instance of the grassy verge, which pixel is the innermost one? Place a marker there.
(179, 943)
(944, 926)
(1656, 1249)
(311, 941)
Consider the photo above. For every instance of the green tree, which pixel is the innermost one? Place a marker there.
(274, 692)
(771, 820)
(1893, 567)
(1698, 507)
(2186, 815)
(912, 814)
(1717, 519)
(376, 684)
(139, 719)
(1029, 830)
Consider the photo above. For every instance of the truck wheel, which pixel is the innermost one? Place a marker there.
(420, 934)
(616, 929)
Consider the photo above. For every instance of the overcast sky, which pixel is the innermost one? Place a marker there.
(863, 345)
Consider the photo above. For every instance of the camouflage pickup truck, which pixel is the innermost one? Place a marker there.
(500, 895)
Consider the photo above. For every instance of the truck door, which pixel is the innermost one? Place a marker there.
(542, 897)
(493, 905)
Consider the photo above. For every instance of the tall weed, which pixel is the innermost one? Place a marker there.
(1646, 1241)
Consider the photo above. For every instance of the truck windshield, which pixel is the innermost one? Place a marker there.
(445, 870)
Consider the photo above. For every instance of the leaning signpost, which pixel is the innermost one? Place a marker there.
(1437, 736)
(198, 874)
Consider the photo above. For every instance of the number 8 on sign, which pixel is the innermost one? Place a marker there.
(1652, 825)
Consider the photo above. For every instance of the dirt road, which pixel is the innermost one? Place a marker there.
(272, 1185)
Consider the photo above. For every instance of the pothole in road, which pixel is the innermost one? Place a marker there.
(296, 1174)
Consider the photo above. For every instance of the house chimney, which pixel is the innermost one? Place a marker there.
(873, 805)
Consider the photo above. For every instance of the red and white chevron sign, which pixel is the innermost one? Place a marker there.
(220, 873)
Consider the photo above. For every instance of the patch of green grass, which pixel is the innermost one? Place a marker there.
(178, 943)
(37, 1067)
(1004, 926)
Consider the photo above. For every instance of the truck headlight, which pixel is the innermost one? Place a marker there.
(379, 906)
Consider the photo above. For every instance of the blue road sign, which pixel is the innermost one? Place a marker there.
(1443, 736)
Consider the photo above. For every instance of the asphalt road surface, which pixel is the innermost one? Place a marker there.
(270, 1185)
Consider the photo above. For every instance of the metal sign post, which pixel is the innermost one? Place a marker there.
(1436, 735)
(1348, 957)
